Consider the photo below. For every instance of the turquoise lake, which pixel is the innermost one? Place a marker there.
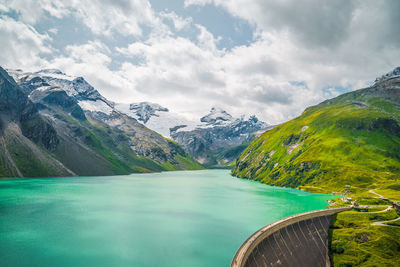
(186, 218)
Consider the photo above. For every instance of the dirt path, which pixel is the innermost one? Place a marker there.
(383, 223)
(379, 196)
(379, 211)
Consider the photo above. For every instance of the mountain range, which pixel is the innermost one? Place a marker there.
(95, 136)
(221, 138)
(215, 139)
(353, 139)
(56, 125)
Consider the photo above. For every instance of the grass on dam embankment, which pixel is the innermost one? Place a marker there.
(356, 241)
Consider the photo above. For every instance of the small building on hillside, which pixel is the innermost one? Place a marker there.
(347, 199)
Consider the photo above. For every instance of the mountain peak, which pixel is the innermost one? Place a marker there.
(41, 82)
(52, 71)
(253, 118)
(145, 110)
(5, 75)
(393, 73)
(217, 116)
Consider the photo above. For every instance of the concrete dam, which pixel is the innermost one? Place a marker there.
(299, 240)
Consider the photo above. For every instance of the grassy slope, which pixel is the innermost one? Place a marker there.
(183, 160)
(30, 160)
(355, 241)
(92, 150)
(110, 157)
(343, 144)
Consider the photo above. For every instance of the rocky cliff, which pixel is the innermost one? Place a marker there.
(221, 138)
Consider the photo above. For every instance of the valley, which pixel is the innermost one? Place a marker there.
(57, 125)
(248, 133)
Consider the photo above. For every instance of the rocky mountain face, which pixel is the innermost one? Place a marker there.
(215, 139)
(393, 74)
(65, 127)
(217, 117)
(155, 117)
(221, 138)
(353, 139)
(146, 110)
(26, 139)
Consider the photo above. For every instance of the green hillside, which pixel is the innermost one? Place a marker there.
(353, 139)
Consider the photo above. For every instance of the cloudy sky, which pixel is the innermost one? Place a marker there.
(271, 58)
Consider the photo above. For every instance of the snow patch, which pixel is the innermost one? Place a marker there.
(217, 116)
(76, 87)
(43, 88)
(392, 74)
(53, 73)
(145, 110)
(95, 106)
(160, 119)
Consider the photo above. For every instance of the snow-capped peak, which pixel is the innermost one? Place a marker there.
(145, 110)
(52, 71)
(76, 87)
(393, 73)
(217, 116)
(156, 117)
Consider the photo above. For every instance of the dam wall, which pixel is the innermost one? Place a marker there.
(299, 240)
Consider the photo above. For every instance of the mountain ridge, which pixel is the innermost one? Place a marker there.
(90, 142)
(215, 139)
(222, 138)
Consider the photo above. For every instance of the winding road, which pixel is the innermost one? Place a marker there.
(379, 196)
(379, 211)
(383, 223)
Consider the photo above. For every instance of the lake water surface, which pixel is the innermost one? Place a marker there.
(187, 218)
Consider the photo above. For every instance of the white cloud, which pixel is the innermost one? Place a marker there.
(32, 11)
(178, 22)
(187, 76)
(300, 53)
(171, 66)
(91, 61)
(4, 8)
(197, 2)
(101, 17)
(324, 44)
(53, 31)
(125, 17)
(22, 45)
(207, 39)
